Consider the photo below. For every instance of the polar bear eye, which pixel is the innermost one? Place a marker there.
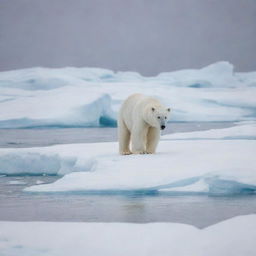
(158, 117)
(165, 117)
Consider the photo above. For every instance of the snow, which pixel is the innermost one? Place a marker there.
(73, 97)
(115, 239)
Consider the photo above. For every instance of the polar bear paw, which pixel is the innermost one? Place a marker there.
(140, 152)
(128, 152)
(150, 152)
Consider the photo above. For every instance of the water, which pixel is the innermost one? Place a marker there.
(16, 205)
(46, 137)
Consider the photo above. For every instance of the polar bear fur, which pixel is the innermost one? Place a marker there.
(140, 120)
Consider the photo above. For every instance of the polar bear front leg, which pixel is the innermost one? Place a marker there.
(138, 138)
(153, 137)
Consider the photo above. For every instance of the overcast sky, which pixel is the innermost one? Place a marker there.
(148, 36)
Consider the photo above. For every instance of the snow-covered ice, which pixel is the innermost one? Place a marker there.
(214, 167)
(180, 165)
(235, 236)
(91, 97)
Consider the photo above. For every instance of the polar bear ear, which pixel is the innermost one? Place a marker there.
(153, 109)
(168, 109)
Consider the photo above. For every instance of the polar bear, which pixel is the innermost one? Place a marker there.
(140, 120)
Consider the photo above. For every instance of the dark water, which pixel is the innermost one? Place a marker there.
(16, 205)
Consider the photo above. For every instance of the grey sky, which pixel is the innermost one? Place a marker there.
(148, 36)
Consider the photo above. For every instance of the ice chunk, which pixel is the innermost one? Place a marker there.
(219, 74)
(63, 107)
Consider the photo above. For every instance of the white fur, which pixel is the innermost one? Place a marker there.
(139, 121)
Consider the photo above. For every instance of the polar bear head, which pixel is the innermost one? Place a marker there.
(158, 116)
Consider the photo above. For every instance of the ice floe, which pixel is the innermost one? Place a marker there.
(182, 165)
(73, 97)
(55, 239)
(211, 166)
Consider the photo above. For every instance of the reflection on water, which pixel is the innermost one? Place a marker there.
(200, 211)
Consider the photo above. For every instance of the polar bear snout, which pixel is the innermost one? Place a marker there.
(162, 122)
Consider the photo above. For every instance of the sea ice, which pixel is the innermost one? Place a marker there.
(235, 236)
(73, 97)
(211, 166)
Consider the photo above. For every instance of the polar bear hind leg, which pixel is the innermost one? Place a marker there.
(124, 138)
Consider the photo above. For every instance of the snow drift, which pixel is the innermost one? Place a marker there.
(73, 97)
